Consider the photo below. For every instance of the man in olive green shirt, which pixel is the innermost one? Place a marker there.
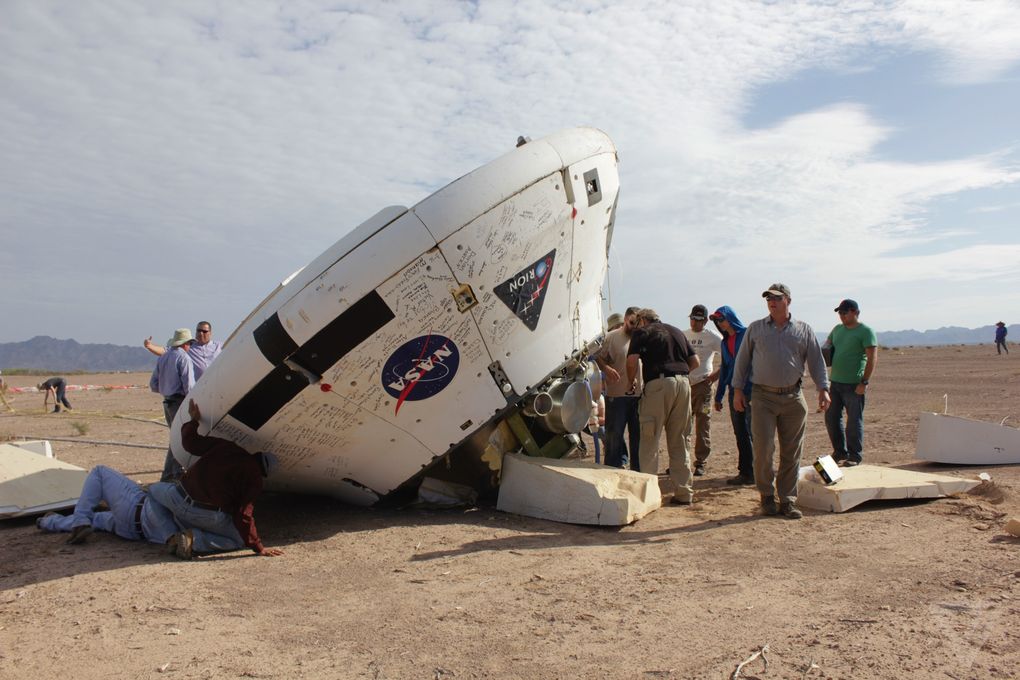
(854, 357)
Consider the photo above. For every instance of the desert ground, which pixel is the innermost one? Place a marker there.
(888, 590)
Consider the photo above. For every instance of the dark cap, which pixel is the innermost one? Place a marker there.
(777, 289)
(717, 315)
(847, 305)
(699, 312)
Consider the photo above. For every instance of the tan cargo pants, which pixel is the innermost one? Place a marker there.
(785, 414)
(701, 421)
(666, 405)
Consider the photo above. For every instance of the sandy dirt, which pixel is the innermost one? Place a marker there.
(888, 590)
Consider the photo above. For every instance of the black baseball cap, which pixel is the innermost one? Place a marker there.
(847, 305)
(699, 312)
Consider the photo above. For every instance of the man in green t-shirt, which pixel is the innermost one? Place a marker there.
(854, 356)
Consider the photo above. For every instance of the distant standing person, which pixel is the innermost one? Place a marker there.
(854, 358)
(777, 349)
(621, 396)
(3, 393)
(666, 359)
(215, 499)
(1000, 338)
(202, 351)
(727, 321)
(57, 387)
(173, 377)
(706, 344)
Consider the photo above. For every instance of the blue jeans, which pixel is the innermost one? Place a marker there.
(848, 443)
(742, 431)
(213, 531)
(622, 412)
(123, 496)
(598, 435)
(172, 470)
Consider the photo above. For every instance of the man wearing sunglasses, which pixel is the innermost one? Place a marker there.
(202, 352)
(776, 350)
(854, 357)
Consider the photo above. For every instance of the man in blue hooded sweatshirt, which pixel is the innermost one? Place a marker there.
(732, 330)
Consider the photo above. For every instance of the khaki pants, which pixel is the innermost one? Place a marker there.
(785, 414)
(666, 404)
(701, 421)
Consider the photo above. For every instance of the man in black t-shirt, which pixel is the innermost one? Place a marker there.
(666, 360)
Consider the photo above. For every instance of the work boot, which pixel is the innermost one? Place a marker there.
(740, 480)
(682, 501)
(79, 534)
(181, 544)
(699, 469)
(768, 505)
(790, 511)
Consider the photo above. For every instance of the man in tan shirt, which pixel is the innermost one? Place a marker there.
(621, 398)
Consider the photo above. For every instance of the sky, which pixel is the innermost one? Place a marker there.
(165, 163)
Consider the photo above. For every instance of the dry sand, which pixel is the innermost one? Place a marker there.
(889, 590)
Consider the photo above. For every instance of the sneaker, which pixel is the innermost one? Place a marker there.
(682, 501)
(850, 463)
(740, 480)
(790, 511)
(181, 544)
(768, 505)
(79, 534)
(699, 470)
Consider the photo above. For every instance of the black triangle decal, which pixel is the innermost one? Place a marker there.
(524, 293)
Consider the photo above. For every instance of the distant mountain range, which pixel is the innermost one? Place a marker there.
(948, 335)
(47, 354)
(43, 353)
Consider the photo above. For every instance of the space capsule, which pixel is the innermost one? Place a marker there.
(430, 340)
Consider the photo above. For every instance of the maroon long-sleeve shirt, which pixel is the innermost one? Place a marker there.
(225, 476)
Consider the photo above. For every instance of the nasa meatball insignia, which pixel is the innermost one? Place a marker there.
(420, 368)
(524, 292)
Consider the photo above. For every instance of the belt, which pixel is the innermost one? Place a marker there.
(173, 398)
(138, 517)
(669, 375)
(790, 389)
(192, 502)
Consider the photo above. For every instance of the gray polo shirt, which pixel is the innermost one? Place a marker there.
(777, 356)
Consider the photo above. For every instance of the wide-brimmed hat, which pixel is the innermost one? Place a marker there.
(615, 319)
(181, 336)
(777, 289)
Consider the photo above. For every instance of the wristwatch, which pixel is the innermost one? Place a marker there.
(864, 382)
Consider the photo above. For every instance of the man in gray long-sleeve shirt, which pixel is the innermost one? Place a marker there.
(777, 349)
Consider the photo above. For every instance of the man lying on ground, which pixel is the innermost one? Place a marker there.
(214, 502)
(132, 513)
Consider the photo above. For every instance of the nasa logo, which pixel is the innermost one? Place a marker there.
(524, 293)
(420, 368)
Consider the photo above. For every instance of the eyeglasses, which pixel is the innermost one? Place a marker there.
(204, 330)
(845, 311)
(774, 298)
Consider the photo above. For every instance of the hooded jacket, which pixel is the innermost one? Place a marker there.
(728, 359)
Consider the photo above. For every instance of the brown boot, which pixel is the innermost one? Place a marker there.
(79, 534)
(790, 511)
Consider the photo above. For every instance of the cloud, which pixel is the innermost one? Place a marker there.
(176, 161)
